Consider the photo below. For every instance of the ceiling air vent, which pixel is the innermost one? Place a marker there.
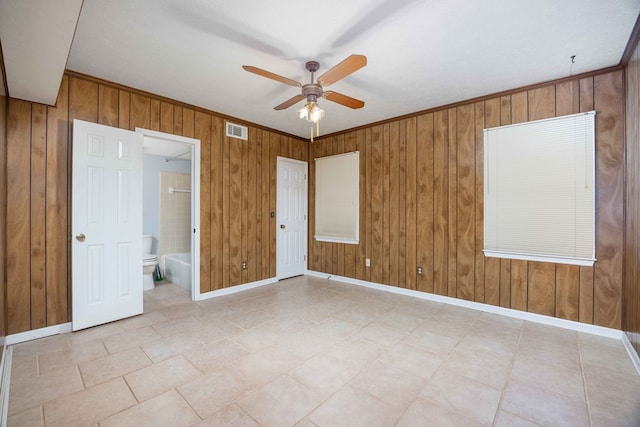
(237, 131)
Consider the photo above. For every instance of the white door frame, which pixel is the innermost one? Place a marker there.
(195, 202)
(305, 201)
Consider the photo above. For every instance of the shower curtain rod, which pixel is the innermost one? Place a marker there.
(177, 157)
(176, 190)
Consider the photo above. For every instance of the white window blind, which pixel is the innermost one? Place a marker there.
(337, 197)
(539, 190)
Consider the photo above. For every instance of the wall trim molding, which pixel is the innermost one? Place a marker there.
(235, 289)
(509, 312)
(5, 383)
(633, 355)
(34, 334)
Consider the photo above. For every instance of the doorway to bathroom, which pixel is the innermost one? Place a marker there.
(171, 207)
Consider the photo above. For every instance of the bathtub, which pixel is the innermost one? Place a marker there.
(177, 269)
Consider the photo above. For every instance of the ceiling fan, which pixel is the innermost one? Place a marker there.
(314, 90)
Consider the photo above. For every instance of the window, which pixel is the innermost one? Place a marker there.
(337, 197)
(539, 190)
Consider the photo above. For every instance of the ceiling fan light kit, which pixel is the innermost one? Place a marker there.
(311, 112)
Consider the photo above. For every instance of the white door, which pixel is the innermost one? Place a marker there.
(106, 249)
(291, 196)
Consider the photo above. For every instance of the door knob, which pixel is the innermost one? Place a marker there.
(282, 226)
(80, 237)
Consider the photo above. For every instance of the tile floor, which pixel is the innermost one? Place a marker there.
(313, 352)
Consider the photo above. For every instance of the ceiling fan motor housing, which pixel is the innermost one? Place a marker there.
(312, 92)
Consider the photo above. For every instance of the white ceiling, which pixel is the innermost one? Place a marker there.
(421, 54)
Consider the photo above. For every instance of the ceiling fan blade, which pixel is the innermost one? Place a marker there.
(288, 103)
(345, 100)
(270, 75)
(352, 64)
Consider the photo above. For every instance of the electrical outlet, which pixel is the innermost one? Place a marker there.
(367, 262)
(244, 265)
(419, 271)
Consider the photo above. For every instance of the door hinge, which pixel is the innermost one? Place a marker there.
(305, 176)
(305, 257)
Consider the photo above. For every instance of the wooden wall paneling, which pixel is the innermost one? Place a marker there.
(38, 215)
(452, 288)
(57, 211)
(274, 151)
(377, 204)
(202, 131)
(124, 109)
(226, 212)
(519, 276)
(140, 112)
(587, 285)
(260, 217)
(177, 121)
(235, 211)
(541, 287)
(18, 268)
(492, 116)
(567, 98)
(609, 105)
(441, 202)
(402, 197)
(154, 114)
(479, 205)
(519, 109)
(252, 211)
(631, 297)
(83, 100)
(567, 291)
(424, 202)
(108, 104)
(3, 214)
(215, 159)
(368, 192)
(350, 250)
(267, 221)
(166, 117)
(187, 124)
(361, 251)
(506, 105)
(411, 203)
(244, 205)
(394, 202)
(386, 215)
(542, 103)
(465, 202)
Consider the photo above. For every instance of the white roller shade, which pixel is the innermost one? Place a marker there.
(539, 190)
(337, 197)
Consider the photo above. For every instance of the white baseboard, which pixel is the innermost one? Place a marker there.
(5, 382)
(523, 315)
(633, 355)
(235, 289)
(62, 328)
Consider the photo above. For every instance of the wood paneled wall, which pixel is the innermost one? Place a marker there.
(421, 204)
(238, 189)
(3, 214)
(631, 300)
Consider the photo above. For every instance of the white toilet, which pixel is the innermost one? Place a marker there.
(149, 262)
